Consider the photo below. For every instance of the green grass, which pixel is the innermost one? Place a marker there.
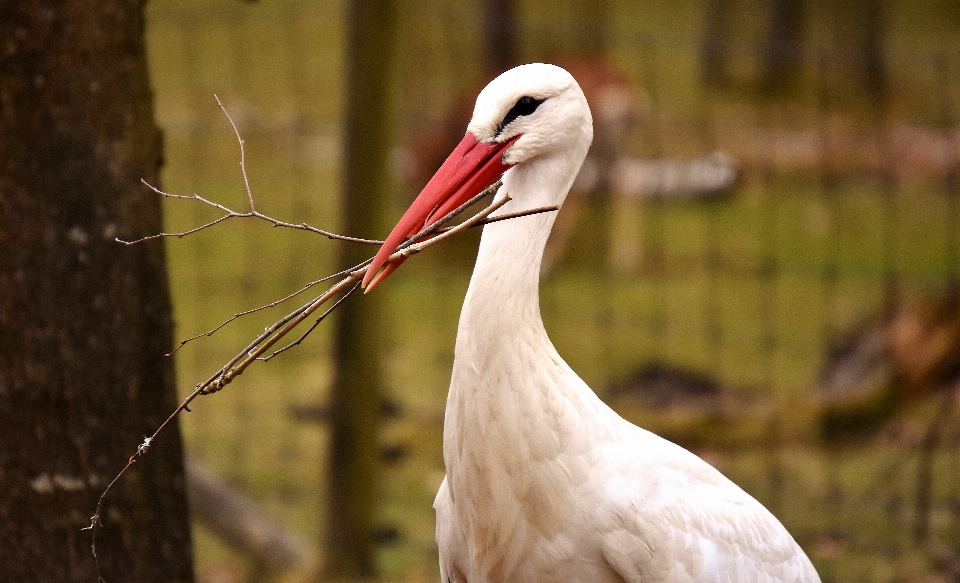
(749, 289)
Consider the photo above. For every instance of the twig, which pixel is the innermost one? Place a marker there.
(243, 155)
(435, 227)
(313, 326)
(256, 348)
(239, 315)
(232, 214)
(518, 214)
(273, 333)
(348, 284)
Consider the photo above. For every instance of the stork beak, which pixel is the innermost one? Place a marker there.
(471, 167)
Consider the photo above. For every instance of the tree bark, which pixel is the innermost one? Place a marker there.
(354, 470)
(85, 320)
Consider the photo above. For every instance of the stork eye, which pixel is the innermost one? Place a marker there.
(524, 106)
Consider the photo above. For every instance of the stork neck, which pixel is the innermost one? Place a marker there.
(506, 277)
(502, 305)
(510, 388)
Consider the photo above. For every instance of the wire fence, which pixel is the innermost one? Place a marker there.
(768, 280)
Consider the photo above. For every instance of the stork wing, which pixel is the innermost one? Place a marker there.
(681, 520)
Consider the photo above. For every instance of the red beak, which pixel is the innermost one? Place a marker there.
(471, 167)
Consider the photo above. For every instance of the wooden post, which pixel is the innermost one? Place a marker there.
(354, 469)
(499, 36)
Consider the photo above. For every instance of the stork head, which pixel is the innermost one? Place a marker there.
(530, 111)
(538, 105)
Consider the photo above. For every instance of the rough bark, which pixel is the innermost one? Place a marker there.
(84, 320)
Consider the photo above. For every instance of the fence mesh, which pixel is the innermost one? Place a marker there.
(770, 280)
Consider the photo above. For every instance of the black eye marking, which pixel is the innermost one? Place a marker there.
(524, 106)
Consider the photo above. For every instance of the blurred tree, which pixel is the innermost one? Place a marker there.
(85, 320)
(499, 35)
(779, 50)
(782, 56)
(593, 27)
(592, 47)
(586, 27)
(850, 56)
(858, 31)
(715, 44)
(354, 469)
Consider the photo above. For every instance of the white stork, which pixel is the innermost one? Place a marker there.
(544, 482)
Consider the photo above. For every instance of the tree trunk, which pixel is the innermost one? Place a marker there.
(593, 21)
(499, 36)
(715, 44)
(859, 30)
(354, 470)
(85, 320)
(782, 56)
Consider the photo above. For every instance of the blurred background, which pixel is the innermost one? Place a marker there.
(760, 259)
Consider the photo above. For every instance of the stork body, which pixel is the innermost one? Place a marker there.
(544, 482)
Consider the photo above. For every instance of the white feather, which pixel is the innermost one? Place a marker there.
(544, 482)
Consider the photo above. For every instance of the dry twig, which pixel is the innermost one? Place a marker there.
(232, 214)
(348, 284)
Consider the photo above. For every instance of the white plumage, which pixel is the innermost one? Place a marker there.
(544, 482)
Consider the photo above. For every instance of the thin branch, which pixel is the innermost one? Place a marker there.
(239, 315)
(272, 334)
(232, 214)
(348, 284)
(435, 227)
(323, 316)
(256, 348)
(243, 155)
(507, 216)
